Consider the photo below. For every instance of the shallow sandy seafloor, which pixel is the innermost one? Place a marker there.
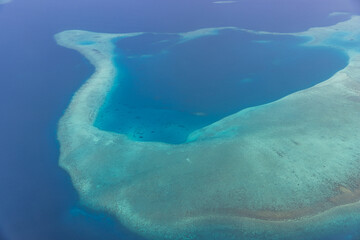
(284, 170)
(5, 1)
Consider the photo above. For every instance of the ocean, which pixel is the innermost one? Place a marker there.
(38, 79)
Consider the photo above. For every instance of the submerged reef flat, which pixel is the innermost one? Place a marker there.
(282, 170)
(224, 2)
(5, 1)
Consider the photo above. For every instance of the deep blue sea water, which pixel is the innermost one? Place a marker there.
(38, 78)
(169, 89)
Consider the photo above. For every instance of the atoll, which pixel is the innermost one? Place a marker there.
(275, 171)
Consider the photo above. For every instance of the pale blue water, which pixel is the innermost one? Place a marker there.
(353, 44)
(38, 78)
(170, 88)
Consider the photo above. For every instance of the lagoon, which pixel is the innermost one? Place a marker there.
(168, 88)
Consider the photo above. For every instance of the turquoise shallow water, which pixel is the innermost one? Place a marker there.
(346, 40)
(168, 88)
(38, 79)
(295, 159)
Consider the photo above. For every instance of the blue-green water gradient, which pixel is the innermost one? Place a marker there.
(168, 88)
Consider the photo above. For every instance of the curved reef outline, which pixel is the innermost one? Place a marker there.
(275, 171)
